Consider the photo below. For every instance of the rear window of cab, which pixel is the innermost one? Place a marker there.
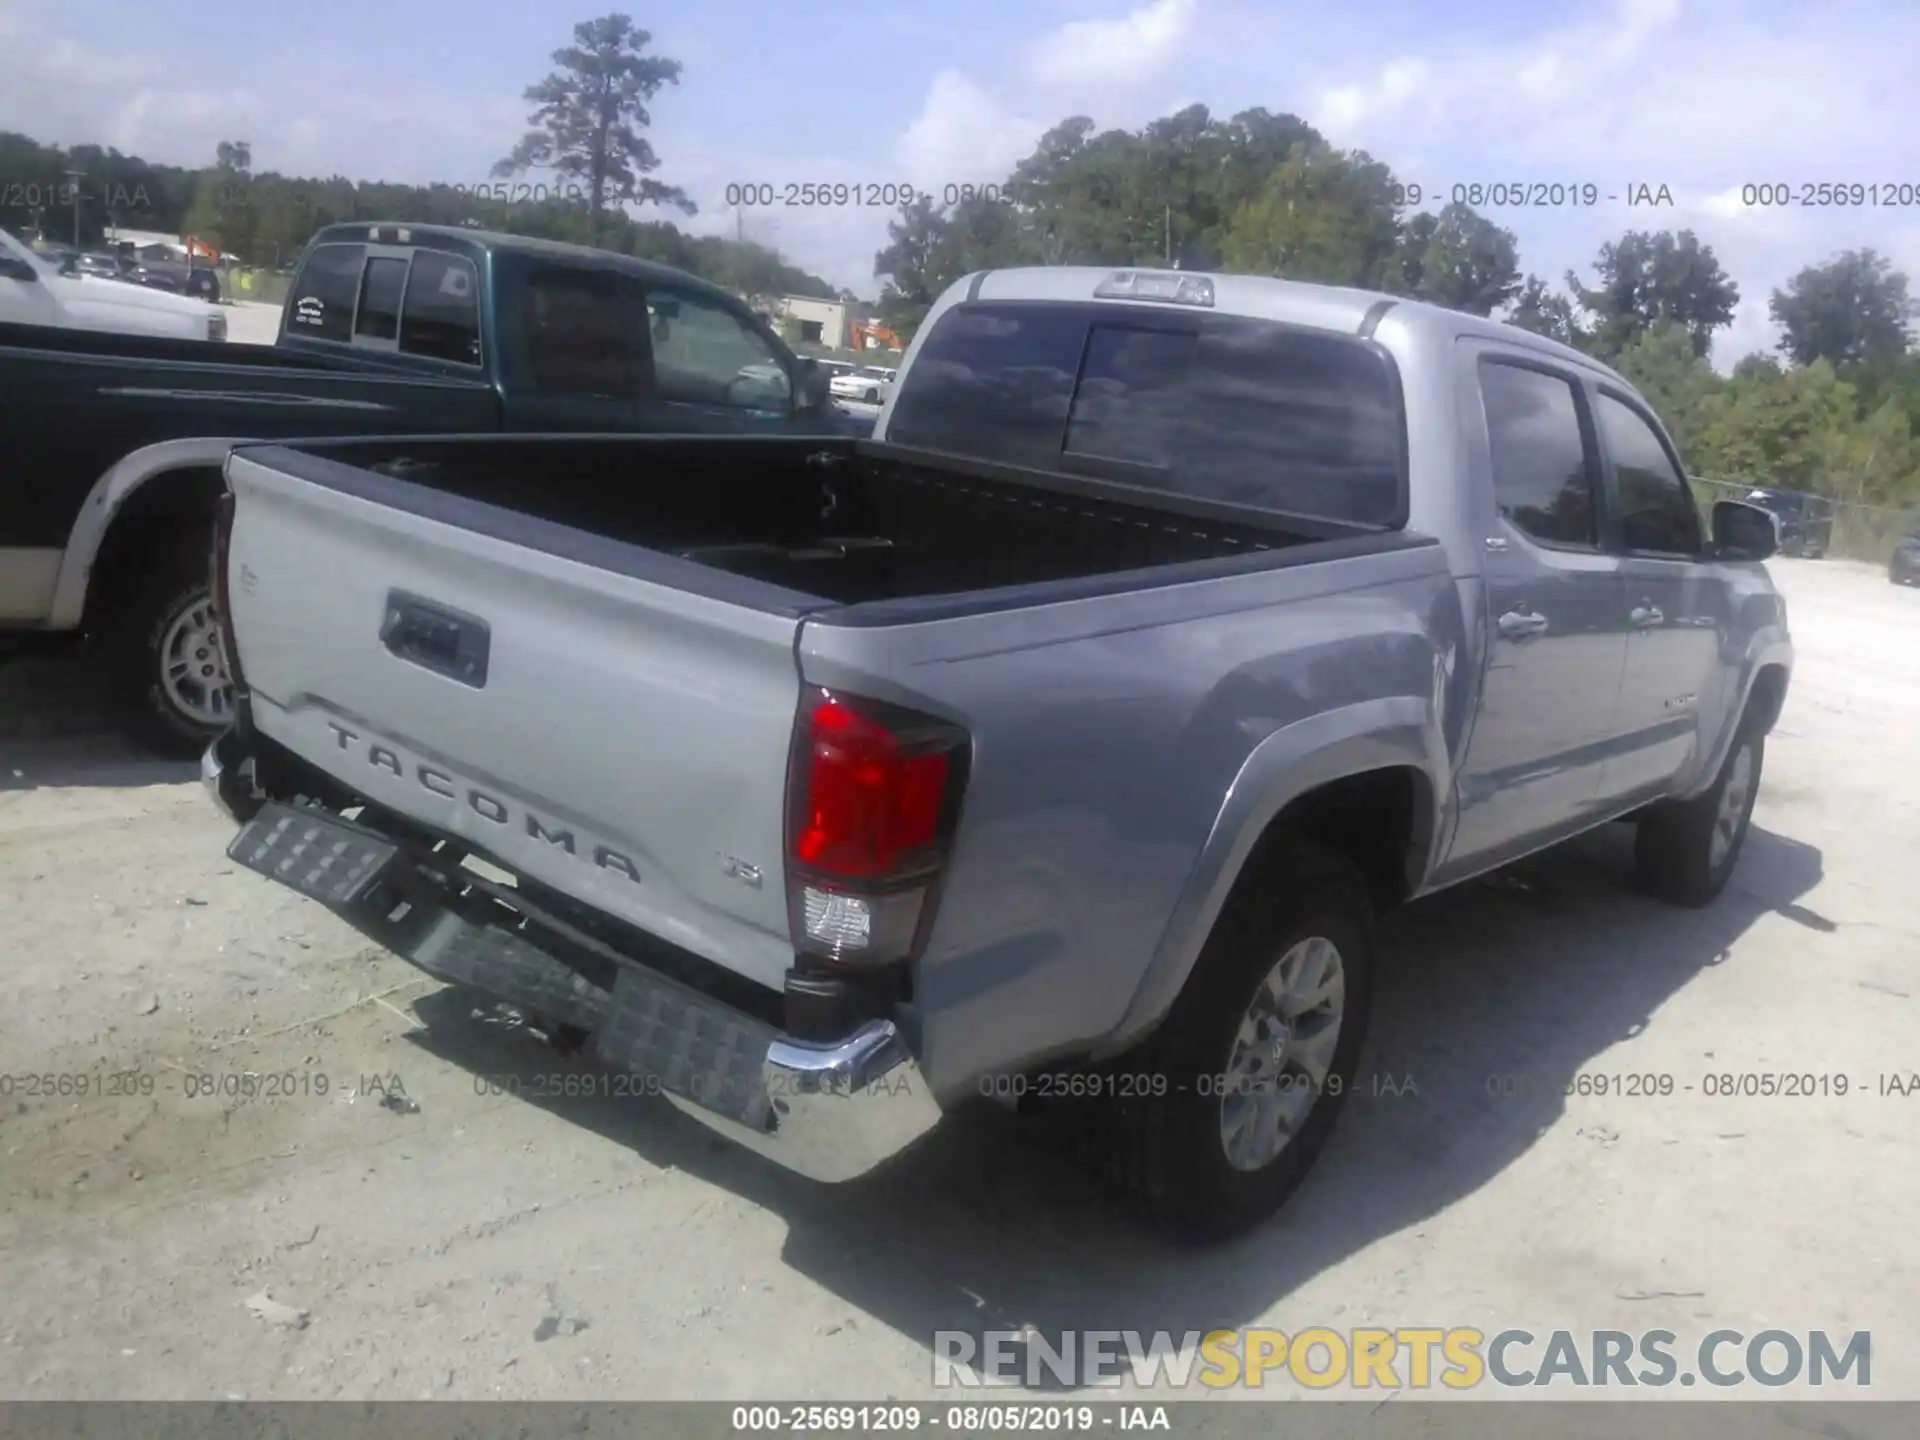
(1219, 409)
(423, 302)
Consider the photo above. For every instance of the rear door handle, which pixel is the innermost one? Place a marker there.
(1645, 616)
(1521, 624)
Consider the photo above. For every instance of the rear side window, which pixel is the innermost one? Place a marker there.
(378, 317)
(441, 317)
(580, 333)
(1214, 408)
(321, 303)
(1303, 423)
(1542, 475)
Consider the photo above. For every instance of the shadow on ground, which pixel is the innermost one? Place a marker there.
(58, 727)
(1491, 997)
(989, 1224)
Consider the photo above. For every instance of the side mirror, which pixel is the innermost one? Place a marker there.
(814, 394)
(12, 267)
(1744, 532)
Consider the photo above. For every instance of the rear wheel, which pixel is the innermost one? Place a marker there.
(1224, 1111)
(169, 665)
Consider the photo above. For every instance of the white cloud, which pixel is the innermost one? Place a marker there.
(963, 133)
(1559, 70)
(1399, 84)
(1705, 98)
(1125, 51)
(297, 116)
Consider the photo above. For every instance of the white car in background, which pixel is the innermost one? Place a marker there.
(34, 292)
(864, 383)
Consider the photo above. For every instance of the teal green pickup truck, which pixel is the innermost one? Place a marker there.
(114, 443)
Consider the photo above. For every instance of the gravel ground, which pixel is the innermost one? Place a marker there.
(249, 322)
(463, 1244)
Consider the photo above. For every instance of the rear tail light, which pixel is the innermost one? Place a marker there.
(873, 800)
(222, 602)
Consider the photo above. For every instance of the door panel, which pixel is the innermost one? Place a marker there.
(1677, 605)
(1556, 636)
(1539, 744)
(1678, 614)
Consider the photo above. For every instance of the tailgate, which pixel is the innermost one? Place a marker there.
(618, 738)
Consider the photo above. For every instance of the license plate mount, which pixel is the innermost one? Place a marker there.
(314, 854)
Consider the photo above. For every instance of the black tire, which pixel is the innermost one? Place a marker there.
(138, 642)
(1673, 854)
(873, 397)
(1169, 1149)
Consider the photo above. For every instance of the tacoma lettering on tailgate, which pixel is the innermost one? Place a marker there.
(483, 804)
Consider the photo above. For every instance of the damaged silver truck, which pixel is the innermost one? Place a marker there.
(1168, 629)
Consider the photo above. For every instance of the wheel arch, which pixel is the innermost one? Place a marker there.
(1364, 780)
(163, 487)
(1768, 674)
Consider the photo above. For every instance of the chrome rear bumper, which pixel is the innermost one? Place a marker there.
(830, 1111)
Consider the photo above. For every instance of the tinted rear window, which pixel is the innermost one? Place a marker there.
(1210, 407)
(993, 381)
(442, 315)
(321, 303)
(379, 314)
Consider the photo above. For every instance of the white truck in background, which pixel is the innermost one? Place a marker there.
(35, 292)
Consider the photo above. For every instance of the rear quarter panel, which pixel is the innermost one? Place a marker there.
(1109, 735)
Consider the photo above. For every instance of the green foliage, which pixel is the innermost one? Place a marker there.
(265, 219)
(917, 264)
(589, 114)
(1459, 259)
(1677, 383)
(1854, 308)
(1266, 194)
(1538, 309)
(1324, 216)
(1646, 278)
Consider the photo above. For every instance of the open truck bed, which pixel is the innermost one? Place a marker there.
(522, 640)
(829, 521)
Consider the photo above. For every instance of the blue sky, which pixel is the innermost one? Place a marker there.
(1699, 95)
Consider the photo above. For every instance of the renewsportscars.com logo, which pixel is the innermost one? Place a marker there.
(1410, 1358)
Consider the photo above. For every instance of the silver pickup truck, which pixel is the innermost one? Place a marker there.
(1064, 738)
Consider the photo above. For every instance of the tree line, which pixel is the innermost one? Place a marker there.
(264, 218)
(1836, 411)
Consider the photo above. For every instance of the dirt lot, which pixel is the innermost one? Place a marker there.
(440, 1246)
(251, 323)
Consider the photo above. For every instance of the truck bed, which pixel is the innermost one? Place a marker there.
(829, 521)
(512, 640)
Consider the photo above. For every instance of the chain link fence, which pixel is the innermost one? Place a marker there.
(1860, 532)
